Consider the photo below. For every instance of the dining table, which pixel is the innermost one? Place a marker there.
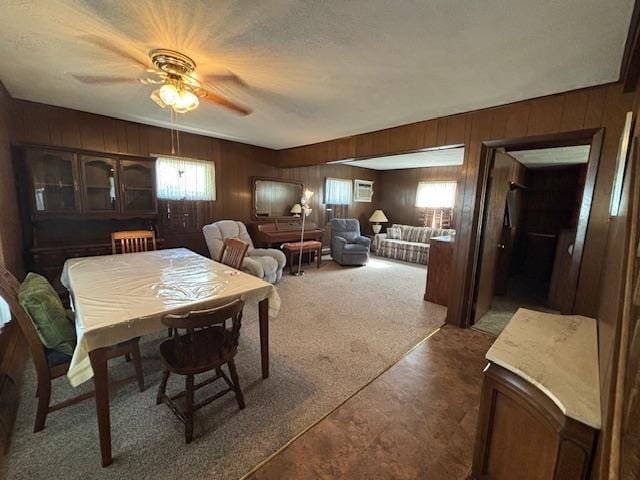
(120, 297)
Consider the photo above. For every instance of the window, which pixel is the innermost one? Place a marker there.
(438, 199)
(436, 195)
(337, 191)
(185, 179)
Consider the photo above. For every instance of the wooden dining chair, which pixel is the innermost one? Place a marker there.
(207, 345)
(233, 252)
(7, 277)
(131, 241)
(50, 364)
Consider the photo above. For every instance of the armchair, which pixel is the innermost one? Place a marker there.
(348, 247)
(264, 263)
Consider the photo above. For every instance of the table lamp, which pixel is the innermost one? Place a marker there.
(296, 210)
(377, 218)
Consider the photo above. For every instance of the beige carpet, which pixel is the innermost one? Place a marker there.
(338, 329)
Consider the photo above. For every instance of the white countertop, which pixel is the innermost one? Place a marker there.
(559, 355)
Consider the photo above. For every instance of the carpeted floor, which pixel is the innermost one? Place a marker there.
(338, 329)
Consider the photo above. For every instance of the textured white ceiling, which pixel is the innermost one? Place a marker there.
(427, 158)
(550, 157)
(317, 69)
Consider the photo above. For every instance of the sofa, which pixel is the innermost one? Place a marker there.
(407, 243)
(264, 263)
(348, 247)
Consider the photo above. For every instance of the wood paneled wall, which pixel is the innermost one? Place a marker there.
(10, 236)
(398, 191)
(48, 125)
(615, 291)
(236, 163)
(314, 176)
(414, 136)
(602, 106)
(36, 123)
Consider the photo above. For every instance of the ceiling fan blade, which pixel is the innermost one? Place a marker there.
(105, 44)
(219, 100)
(225, 78)
(103, 79)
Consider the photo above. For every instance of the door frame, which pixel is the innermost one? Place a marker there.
(592, 137)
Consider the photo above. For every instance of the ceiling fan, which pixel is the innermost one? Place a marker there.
(180, 88)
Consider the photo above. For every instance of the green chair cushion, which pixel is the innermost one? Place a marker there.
(49, 316)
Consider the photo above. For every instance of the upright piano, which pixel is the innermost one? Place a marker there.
(268, 234)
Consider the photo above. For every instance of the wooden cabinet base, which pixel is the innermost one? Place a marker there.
(439, 269)
(522, 434)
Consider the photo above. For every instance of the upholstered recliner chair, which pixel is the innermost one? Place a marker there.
(348, 247)
(264, 263)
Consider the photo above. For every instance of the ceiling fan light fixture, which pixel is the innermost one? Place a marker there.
(169, 94)
(186, 100)
(155, 96)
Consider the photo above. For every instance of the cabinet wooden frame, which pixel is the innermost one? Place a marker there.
(576, 442)
(29, 158)
(147, 163)
(83, 160)
(79, 158)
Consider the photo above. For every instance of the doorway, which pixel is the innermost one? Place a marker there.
(535, 212)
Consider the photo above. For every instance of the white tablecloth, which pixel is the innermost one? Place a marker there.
(119, 297)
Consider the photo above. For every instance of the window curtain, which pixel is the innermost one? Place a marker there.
(337, 191)
(180, 178)
(436, 195)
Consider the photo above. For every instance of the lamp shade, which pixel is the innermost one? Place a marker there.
(378, 216)
(296, 208)
(307, 195)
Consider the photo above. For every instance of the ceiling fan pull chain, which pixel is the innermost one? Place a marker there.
(173, 148)
(178, 138)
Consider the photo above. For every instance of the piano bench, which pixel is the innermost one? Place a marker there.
(291, 249)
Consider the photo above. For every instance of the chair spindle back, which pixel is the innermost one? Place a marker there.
(132, 241)
(233, 252)
(198, 320)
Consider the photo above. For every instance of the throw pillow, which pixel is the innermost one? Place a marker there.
(49, 316)
(394, 233)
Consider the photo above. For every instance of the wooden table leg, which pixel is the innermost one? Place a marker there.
(263, 314)
(101, 384)
(319, 256)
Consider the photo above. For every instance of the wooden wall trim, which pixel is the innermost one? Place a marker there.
(630, 67)
(562, 111)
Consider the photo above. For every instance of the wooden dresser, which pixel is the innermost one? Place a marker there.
(439, 270)
(540, 406)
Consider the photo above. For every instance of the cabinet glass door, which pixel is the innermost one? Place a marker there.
(137, 180)
(53, 181)
(99, 184)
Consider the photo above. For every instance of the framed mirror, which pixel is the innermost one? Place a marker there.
(275, 198)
